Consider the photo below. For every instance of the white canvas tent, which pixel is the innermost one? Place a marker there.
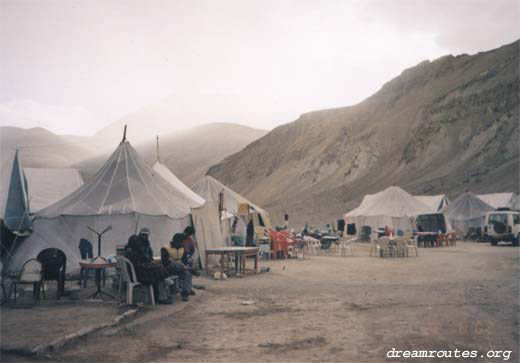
(47, 186)
(466, 211)
(435, 202)
(126, 194)
(205, 218)
(209, 188)
(514, 203)
(496, 200)
(392, 207)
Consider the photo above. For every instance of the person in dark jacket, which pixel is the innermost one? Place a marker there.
(176, 259)
(139, 252)
(189, 244)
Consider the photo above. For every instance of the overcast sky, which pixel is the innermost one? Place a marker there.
(76, 66)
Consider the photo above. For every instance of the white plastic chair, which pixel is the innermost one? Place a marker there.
(345, 244)
(131, 280)
(31, 274)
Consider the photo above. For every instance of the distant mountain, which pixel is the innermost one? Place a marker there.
(40, 148)
(189, 153)
(439, 127)
(175, 112)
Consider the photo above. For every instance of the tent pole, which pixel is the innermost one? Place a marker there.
(124, 135)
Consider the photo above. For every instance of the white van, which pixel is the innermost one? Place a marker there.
(502, 225)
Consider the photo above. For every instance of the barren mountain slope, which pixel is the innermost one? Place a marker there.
(439, 127)
(189, 153)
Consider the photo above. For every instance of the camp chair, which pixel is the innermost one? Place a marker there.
(441, 238)
(344, 244)
(401, 247)
(278, 245)
(31, 274)
(411, 243)
(261, 235)
(380, 247)
(128, 275)
(54, 263)
(452, 238)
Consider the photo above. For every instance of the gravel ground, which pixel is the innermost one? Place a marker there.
(332, 309)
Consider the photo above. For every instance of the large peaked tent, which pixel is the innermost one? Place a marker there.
(49, 185)
(171, 178)
(392, 207)
(466, 211)
(126, 194)
(496, 200)
(435, 202)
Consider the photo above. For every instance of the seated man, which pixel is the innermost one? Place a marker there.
(139, 252)
(177, 260)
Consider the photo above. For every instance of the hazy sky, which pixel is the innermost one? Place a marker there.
(76, 66)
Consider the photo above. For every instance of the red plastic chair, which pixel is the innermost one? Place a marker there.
(441, 237)
(278, 243)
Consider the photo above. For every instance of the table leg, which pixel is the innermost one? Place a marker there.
(243, 260)
(256, 263)
(237, 264)
(222, 257)
(207, 264)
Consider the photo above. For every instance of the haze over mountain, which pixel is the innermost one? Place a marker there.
(439, 127)
(187, 153)
(40, 148)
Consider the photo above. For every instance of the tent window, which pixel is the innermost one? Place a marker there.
(260, 220)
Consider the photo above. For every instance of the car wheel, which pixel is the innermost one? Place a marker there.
(494, 243)
(516, 241)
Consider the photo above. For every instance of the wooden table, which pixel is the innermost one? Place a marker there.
(240, 253)
(98, 263)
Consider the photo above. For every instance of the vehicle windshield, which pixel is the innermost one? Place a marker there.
(495, 218)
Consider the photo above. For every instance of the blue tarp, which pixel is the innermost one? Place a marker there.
(16, 216)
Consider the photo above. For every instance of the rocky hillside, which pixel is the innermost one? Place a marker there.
(188, 153)
(439, 127)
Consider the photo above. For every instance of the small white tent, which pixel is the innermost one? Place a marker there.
(205, 218)
(47, 186)
(514, 203)
(210, 189)
(496, 200)
(435, 202)
(126, 194)
(392, 207)
(466, 211)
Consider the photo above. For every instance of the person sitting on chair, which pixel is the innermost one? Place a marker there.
(177, 260)
(189, 244)
(139, 252)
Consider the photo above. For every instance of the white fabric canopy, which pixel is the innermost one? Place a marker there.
(205, 218)
(209, 188)
(514, 203)
(496, 200)
(166, 174)
(126, 194)
(434, 202)
(392, 207)
(47, 186)
(466, 211)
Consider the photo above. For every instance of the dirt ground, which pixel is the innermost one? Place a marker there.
(332, 309)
